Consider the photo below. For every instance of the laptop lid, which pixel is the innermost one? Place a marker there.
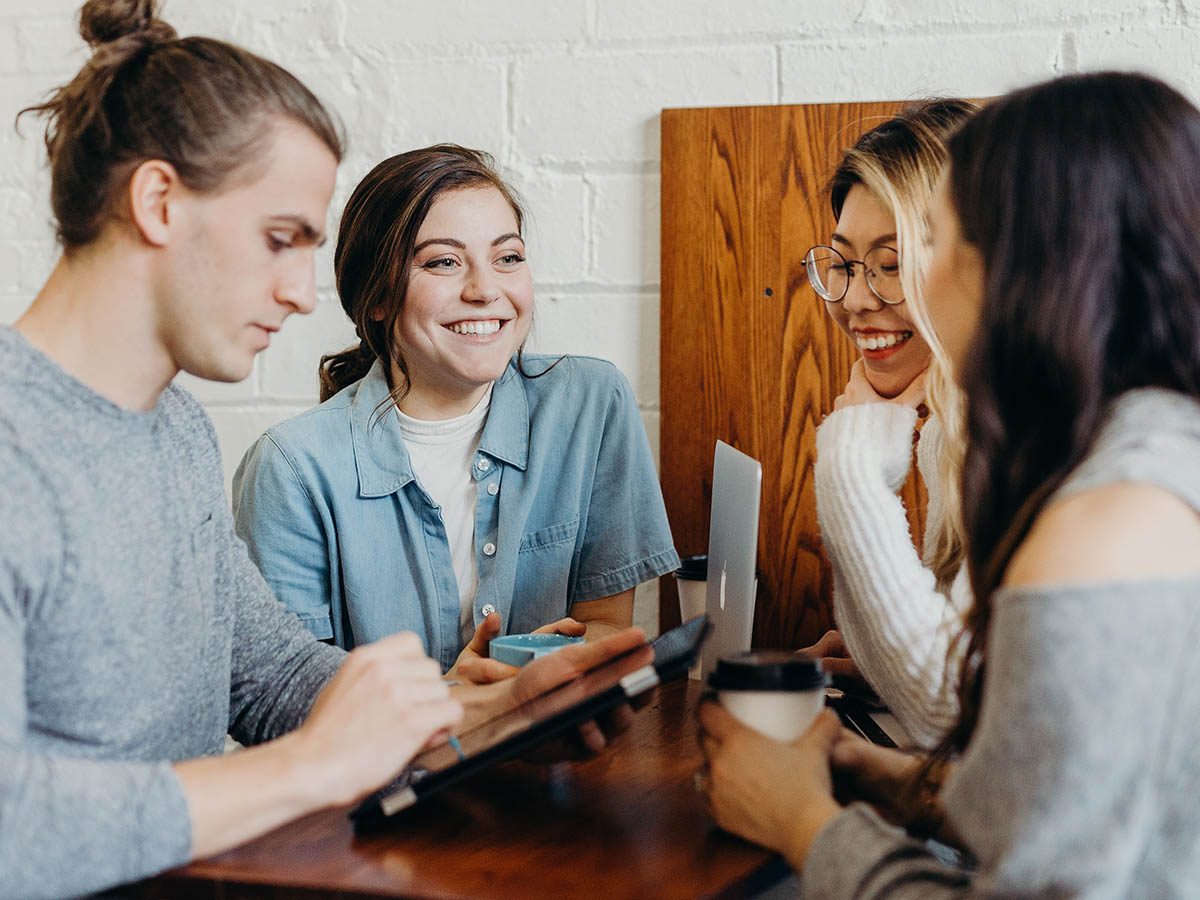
(732, 553)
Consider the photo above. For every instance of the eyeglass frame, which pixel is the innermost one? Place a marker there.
(850, 264)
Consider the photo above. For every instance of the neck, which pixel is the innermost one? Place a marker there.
(434, 402)
(96, 318)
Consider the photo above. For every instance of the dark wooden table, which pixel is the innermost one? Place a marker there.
(626, 824)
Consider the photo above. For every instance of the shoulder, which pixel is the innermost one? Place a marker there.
(317, 431)
(23, 477)
(574, 379)
(1131, 508)
(191, 427)
(566, 368)
(1114, 532)
(35, 553)
(185, 411)
(301, 453)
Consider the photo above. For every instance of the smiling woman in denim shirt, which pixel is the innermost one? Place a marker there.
(450, 484)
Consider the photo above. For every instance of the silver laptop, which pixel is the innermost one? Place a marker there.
(732, 553)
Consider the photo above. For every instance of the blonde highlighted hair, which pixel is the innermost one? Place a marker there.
(900, 162)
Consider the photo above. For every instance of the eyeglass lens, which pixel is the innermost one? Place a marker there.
(830, 273)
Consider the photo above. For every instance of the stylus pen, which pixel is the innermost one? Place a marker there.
(453, 742)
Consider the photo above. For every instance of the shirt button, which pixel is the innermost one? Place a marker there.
(487, 609)
(489, 549)
(484, 464)
(493, 489)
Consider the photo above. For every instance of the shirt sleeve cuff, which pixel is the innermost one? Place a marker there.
(594, 587)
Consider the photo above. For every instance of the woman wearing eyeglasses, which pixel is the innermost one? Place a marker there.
(897, 611)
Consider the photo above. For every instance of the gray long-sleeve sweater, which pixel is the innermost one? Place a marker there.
(1083, 775)
(134, 630)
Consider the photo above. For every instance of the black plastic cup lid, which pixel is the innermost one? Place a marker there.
(693, 568)
(767, 670)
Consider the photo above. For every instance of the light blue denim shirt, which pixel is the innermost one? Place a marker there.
(569, 509)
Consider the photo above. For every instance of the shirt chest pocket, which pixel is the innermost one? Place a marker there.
(544, 567)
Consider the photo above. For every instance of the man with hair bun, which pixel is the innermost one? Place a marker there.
(190, 185)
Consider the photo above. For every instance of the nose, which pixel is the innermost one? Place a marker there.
(480, 285)
(297, 287)
(860, 298)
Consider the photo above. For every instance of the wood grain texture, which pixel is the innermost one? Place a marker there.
(627, 824)
(749, 355)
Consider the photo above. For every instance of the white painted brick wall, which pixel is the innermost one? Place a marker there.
(566, 95)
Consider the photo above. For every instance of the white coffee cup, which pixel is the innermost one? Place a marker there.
(776, 693)
(691, 582)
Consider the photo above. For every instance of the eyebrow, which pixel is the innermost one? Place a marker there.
(308, 232)
(878, 242)
(453, 242)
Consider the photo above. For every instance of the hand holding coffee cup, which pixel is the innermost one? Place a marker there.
(776, 693)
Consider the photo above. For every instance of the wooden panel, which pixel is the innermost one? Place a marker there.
(749, 355)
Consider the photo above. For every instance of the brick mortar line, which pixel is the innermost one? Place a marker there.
(500, 52)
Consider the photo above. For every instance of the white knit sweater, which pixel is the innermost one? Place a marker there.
(896, 624)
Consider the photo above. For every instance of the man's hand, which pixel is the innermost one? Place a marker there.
(568, 664)
(561, 667)
(474, 664)
(384, 704)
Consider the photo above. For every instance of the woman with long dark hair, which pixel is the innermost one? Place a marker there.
(451, 484)
(1066, 289)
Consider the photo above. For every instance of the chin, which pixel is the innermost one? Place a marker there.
(893, 376)
(481, 377)
(225, 371)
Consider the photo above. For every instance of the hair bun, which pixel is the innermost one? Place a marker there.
(104, 21)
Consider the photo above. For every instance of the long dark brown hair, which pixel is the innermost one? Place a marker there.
(200, 104)
(1082, 196)
(375, 250)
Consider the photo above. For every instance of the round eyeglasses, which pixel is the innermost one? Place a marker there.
(829, 273)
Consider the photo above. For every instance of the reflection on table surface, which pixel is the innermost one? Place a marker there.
(626, 824)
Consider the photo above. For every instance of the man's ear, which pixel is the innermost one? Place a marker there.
(154, 188)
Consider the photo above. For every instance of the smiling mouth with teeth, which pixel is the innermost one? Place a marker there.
(479, 327)
(881, 341)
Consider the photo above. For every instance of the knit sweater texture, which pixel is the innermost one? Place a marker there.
(899, 627)
(134, 630)
(1082, 775)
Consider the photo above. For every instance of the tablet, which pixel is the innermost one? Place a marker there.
(593, 693)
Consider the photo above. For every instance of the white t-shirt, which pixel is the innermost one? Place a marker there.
(442, 453)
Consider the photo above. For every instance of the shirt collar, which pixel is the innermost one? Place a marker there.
(379, 450)
(380, 453)
(506, 434)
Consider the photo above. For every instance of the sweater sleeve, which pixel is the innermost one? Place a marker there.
(1083, 756)
(277, 667)
(68, 826)
(896, 624)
